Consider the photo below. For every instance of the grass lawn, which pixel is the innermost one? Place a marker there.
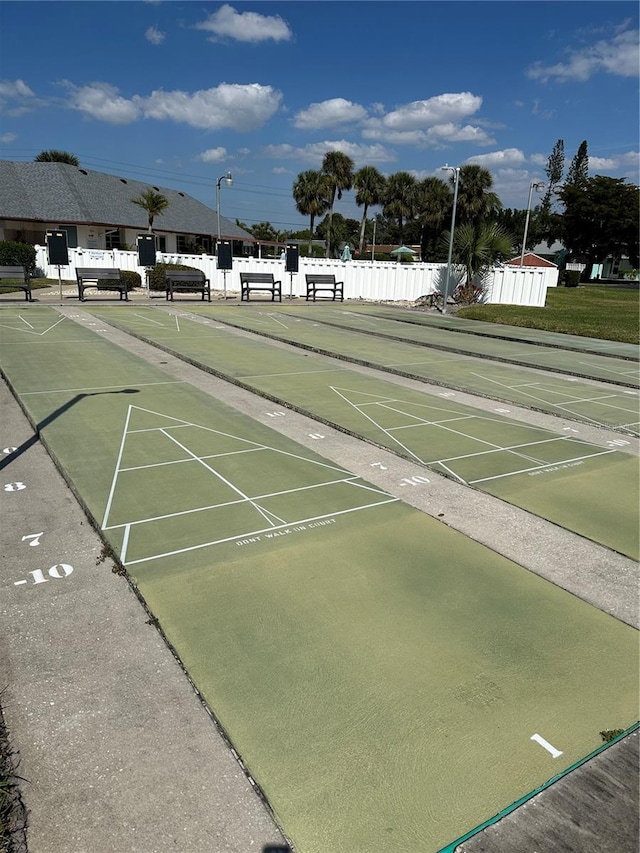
(592, 312)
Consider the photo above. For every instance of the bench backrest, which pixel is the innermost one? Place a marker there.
(184, 275)
(14, 272)
(97, 273)
(256, 277)
(320, 279)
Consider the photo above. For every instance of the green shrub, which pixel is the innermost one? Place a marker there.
(610, 734)
(157, 278)
(131, 278)
(18, 254)
(572, 278)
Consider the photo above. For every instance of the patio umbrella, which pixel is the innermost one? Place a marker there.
(402, 250)
(346, 253)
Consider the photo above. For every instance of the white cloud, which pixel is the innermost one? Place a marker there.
(539, 159)
(239, 107)
(245, 26)
(280, 170)
(16, 98)
(419, 115)
(314, 152)
(434, 137)
(618, 55)
(506, 157)
(15, 89)
(602, 163)
(6, 138)
(330, 113)
(155, 36)
(454, 133)
(213, 155)
(102, 101)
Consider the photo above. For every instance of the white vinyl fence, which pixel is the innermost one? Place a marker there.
(362, 279)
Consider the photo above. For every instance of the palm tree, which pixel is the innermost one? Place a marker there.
(476, 247)
(434, 200)
(400, 199)
(311, 194)
(338, 169)
(54, 156)
(370, 187)
(475, 193)
(154, 203)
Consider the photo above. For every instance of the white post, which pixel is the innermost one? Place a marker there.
(533, 185)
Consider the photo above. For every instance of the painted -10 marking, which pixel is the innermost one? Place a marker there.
(57, 572)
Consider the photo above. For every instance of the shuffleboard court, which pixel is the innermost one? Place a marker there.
(585, 488)
(540, 337)
(569, 396)
(385, 679)
(584, 364)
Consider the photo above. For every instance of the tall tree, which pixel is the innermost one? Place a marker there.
(554, 171)
(434, 201)
(401, 198)
(476, 198)
(54, 156)
(578, 173)
(311, 193)
(601, 219)
(154, 203)
(338, 169)
(370, 186)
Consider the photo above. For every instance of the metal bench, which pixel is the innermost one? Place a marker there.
(316, 283)
(18, 279)
(101, 279)
(250, 281)
(186, 281)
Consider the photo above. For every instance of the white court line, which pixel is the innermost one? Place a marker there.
(276, 320)
(101, 388)
(513, 448)
(177, 324)
(555, 753)
(149, 320)
(263, 530)
(431, 423)
(541, 467)
(115, 473)
(266, 496)
(180, 461)
(293, 373)
(125, 543)
(20, 317)
(263, 512)
(37, 334)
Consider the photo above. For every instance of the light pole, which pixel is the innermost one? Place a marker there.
(456, 179)
(534, 185)
(373, 245)
(228, 179)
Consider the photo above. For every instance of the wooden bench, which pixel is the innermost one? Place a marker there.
(17, 278)
(316, 283)
(186, 281)
(101, 279)
(250, 281)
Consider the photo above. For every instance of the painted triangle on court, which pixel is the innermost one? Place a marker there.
(357, 398)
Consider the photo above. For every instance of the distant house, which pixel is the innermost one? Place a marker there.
(530, 259)
(96, 211)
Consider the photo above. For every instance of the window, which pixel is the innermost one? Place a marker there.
(72, 235)
(112, 238)
(161, 243)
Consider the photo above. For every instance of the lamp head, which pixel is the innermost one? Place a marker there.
(228, 179)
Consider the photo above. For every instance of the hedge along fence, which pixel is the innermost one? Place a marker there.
(157, 278)
(18, 255)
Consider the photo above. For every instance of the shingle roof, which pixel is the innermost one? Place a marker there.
(531, 260)
(58, 192)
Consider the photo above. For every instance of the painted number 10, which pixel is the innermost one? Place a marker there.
(59, 571)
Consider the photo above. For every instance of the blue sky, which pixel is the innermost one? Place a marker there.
(177, 93)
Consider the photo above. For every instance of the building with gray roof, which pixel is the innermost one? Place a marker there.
(96, 211)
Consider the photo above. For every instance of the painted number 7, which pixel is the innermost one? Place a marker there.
(35, 537)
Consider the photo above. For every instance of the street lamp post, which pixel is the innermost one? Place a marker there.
(456, 179)
(534, 185)
(228, 180)
(373, 245)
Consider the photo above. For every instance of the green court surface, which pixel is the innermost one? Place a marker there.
(587, 365)
(585, 488)
(568, 396)
(389, 683)
(539, 337)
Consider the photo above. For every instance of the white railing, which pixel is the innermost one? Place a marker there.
(368, 280)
